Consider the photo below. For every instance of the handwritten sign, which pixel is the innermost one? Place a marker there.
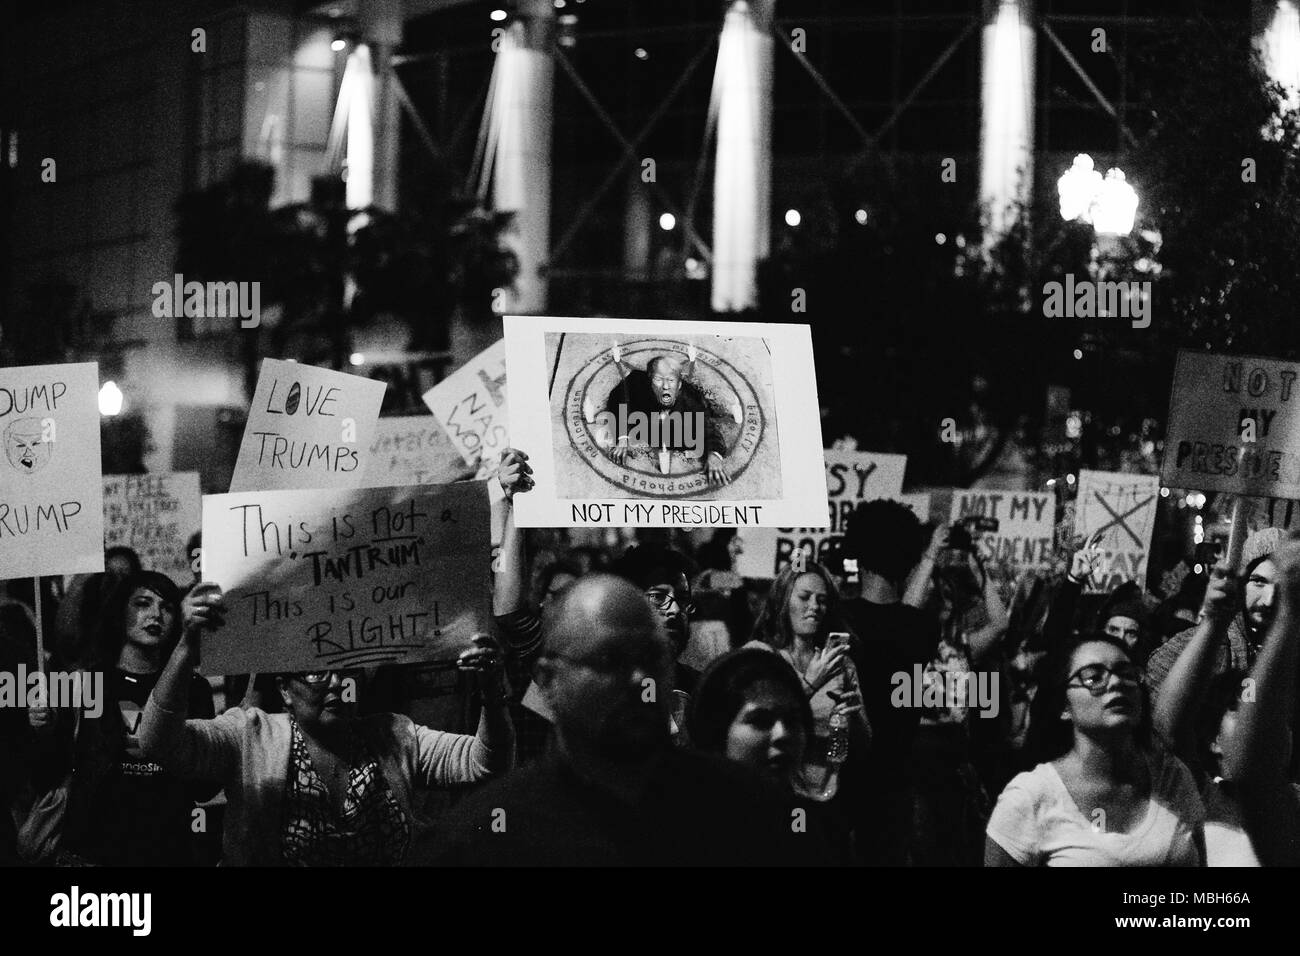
(413, 450)
(344, 578)
(471, 405)
(1123, 507)
(308, 428)
(51, 499)
(154, 516)
(1234, 425)
(1026, 521)
(851, 477)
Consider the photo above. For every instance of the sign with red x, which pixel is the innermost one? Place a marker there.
(1122, 508)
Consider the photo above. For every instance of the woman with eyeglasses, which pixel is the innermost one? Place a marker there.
(317, 786)
(1103, 794)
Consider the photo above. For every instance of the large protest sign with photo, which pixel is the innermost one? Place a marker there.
(413, 450)
(308, 428)
(342, 578)
(1123, 508)
(851, 477)
(1026, 522)
(51, 496)
(666, 423)
(1234, 425)
(471, 405)
(155, 516)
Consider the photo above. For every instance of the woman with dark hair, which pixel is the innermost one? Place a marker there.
(123, 809)
(797, 620)
(750, 707)
(1102, 794)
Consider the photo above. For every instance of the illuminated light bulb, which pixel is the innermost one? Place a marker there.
(110, 399)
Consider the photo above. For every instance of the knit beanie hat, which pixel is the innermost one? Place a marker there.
(1260, 545)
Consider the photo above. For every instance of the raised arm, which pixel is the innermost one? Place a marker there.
(921, 580)
(192, 748)
(1260, 749)
(1183, 689)
(446, 759)
(1065, 602)
(515, 475)
(986, 638)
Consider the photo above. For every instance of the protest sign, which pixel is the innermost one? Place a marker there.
(471, 405)
(665, 423)
(1026, 523)
(51, 496)
(413, 450)
(851, 477)
(154, 516)
(308, 428)
(1123, 507)
(344, 578)
(1234, 425)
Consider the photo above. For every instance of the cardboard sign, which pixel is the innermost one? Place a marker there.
(1234, 425)
(343, 578)
(413, 450)
(51, 496)
(471, 405)
(1123, 506)
(851, 477)
(308, 428)
(1026, 523)
(665, 423)
(154, 516)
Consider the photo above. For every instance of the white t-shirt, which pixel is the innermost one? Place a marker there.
(1038, 824)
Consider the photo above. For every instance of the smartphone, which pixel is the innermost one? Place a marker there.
(835, 638)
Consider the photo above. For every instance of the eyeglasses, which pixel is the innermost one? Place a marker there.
(1094, 678)
(664, 597)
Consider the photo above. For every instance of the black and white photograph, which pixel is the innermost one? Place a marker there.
(666, 423)
(663, 436)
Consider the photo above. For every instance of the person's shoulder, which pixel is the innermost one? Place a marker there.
(1034, 788)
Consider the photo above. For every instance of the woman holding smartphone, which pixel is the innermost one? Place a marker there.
(800, 621)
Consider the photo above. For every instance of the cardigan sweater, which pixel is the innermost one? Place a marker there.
(248, 750)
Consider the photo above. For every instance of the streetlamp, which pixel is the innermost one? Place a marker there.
(1109, 205)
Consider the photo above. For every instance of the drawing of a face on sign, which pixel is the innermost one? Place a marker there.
(667, 418)
(26, 446)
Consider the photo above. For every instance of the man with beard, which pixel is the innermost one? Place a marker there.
(613, 790)
(1245, 633)
(664, 390)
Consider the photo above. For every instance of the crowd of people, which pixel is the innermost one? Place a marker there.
(647, 705)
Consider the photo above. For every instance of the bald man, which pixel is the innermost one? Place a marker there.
(613, 790)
